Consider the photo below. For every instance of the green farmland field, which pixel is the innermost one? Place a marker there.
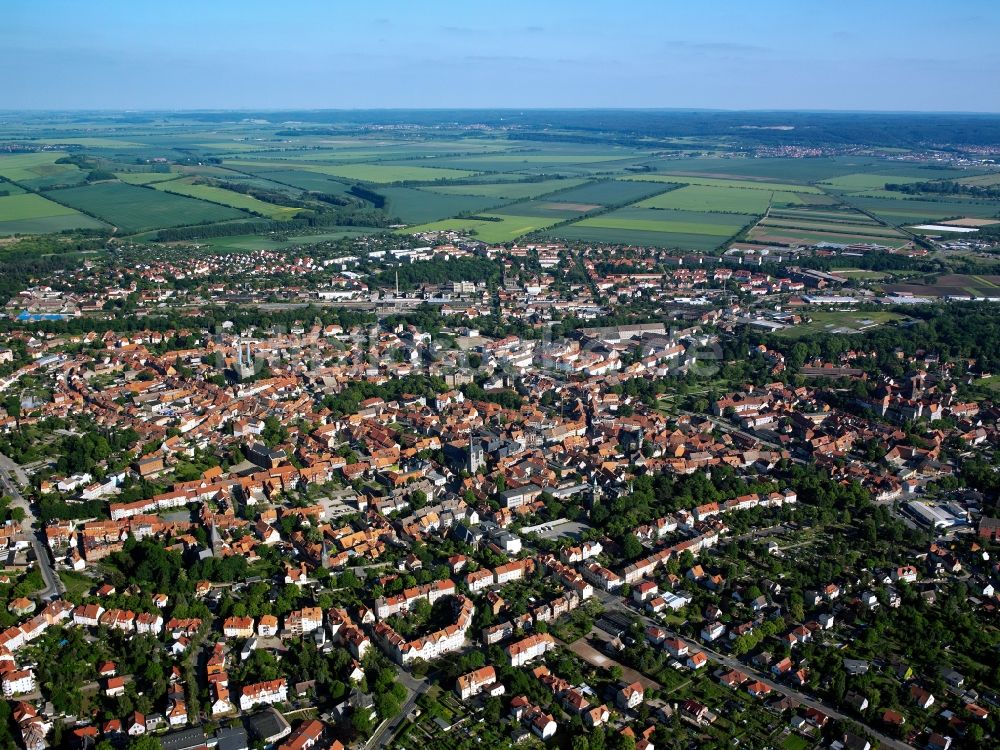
(9, 188)
(847, 215)
(610, 192)
(682, 222)
(773, 170)
(538, 163)
(301, 179)
(132, 208)
(39, 170)
(876, 230)
(264, 242)
(983, 180)
(851, 183)
(702, 243)
(383, 174)
(21, 167)
(413, 206)
(30, 206)
(507, 190)
(688, 230)
(508, 227)
(728, 200)
(227, 198)
(552, 209)
(898, 211)
(802, 236)
(28, 213)
(722, 183)
(145, 178)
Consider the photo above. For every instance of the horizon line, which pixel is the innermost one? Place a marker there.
(506, 108)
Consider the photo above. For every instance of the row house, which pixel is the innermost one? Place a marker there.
(263, 693)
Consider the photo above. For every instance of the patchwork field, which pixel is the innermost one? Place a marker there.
(795, 226)
(838, 215)
(691, 195)
(132, 209)
(899, 212)
(27, 213)
(861, 229)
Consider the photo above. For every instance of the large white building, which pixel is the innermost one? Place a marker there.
(264, 693)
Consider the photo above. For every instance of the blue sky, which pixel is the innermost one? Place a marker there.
(742, 54)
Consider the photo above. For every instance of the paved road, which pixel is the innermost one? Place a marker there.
(8, 486)
(416, 687)
(10, 467)
(611, 601)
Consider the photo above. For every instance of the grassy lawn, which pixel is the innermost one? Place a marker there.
(77, 585)
(990, 384)
(795, 742)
